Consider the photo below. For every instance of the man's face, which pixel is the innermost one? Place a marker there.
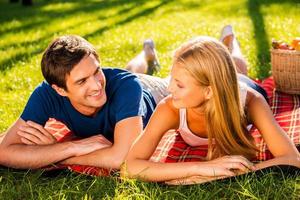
(86, 86)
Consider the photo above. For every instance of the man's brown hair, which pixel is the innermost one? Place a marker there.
(62, 55)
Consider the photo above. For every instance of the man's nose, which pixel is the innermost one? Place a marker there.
(96, 82)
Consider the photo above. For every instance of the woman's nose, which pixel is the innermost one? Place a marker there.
(170, 87)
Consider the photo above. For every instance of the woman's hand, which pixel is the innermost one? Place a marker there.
(225, 166)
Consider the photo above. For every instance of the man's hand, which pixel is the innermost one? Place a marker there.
(88, 145)
(14, 153)
(35, 134)
(111, 156)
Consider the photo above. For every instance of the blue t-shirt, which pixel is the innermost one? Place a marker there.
(125, 98)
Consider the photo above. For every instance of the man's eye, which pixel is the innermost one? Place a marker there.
(81, 82)
(98, 72)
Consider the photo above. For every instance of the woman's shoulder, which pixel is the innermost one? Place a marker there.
(251, 95)
(167, 105)
(167, 114)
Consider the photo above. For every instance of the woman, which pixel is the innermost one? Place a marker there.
(206, 106)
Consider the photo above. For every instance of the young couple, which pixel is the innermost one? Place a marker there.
(208, 104)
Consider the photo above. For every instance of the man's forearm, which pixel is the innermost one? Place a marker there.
(105, 158)
(34, 156)
(112, 156)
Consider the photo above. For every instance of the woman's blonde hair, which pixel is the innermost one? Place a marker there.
(210, 63)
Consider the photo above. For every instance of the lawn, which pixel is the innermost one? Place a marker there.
(117, 29)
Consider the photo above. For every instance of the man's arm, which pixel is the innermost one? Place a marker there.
(126, 131)
(13, 153)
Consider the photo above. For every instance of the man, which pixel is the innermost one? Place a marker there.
(90, 101)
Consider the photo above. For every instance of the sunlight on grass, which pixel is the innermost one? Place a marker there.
(117, 29)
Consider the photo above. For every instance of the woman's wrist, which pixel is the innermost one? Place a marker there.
(200, 168)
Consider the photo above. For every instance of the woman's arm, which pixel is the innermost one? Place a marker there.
(276, 139)
(164, 118)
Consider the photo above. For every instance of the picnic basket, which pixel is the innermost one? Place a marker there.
(286, 70)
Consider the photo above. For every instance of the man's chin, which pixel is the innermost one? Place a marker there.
(101, 102)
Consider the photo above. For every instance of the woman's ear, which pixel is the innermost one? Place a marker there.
(59, 90)
(208, 93)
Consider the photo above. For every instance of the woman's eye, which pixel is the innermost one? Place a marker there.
(179, 86)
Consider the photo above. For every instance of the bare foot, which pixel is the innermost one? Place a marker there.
(227, 37)
(146, 61)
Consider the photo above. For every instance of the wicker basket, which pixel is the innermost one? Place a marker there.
(286, 70)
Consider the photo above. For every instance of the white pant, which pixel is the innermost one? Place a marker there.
(155, 85)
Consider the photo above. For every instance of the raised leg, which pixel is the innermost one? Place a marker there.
(229, 39)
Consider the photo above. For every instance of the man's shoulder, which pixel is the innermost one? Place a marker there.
(43, 101)
(45, 95)
(117, 74)
(45, 90)
(119, 79)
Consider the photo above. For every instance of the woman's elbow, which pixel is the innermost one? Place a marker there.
(124, 172)
(293, 159)
(297, 159)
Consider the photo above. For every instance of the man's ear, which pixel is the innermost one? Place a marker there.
(208, 93)
(59, 90)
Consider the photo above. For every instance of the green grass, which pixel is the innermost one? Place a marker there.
(117, 29)
(37, 185)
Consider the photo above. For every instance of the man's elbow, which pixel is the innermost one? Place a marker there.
(117, 162)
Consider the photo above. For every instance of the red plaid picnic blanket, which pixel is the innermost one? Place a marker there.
(172, 148)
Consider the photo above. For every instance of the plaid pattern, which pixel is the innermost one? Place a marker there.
(165, 144)
(172, 148)
(58, 130)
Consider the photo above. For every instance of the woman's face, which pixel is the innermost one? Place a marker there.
(185, 91)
